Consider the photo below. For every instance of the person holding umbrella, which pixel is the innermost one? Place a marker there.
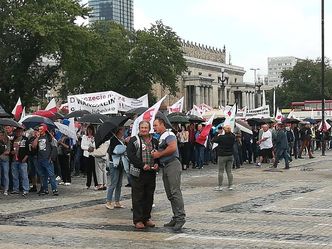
(144, 180)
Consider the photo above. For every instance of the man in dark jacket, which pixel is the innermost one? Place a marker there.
(143, 182)
(281, 146)
(225, 156)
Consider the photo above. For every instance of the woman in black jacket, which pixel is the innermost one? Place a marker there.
(143, 175)
(225, 156)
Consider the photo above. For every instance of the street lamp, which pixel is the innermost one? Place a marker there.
(259, 96)
(255, 81)
(222, 78)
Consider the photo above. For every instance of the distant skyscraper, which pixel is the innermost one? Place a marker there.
(120, 11)
(276, 65)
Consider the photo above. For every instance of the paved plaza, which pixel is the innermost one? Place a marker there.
(268, 208)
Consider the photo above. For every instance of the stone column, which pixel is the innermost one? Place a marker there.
(202, 95)
(198, 95)
(225, 96)
(215, 95)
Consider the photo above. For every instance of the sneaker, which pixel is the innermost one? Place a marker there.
(230, 188)
(55, 192)
(33, 189)
(58, 178)
(258, 164)
(5, 193)
(61, 183)
(67, 183)
(109, 205)
(178, 226)
(25, 193)
(14, 192)
(128, 185)
(219, 188)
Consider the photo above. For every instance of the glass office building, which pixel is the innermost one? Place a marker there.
(120, 11)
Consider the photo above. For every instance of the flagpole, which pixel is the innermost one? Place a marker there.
(323, 79)
(274, 101)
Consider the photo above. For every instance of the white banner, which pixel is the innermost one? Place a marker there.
(260, 112)
(109, 102)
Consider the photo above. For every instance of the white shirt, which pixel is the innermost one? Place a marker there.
(86, 144)
(267, 144)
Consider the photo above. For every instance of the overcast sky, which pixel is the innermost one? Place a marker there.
(251, 30)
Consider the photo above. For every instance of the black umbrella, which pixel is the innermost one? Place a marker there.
(176, 114)
(255, 121)
(290, 121)
(10, 122)
(310, 120)
(3, 113)
(195, 119)
(106, 130)
(217, 121)
(178, 119)
(136, 111)
(77, 114)
(34, 120)
(95, 118)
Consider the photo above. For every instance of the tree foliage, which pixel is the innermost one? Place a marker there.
(303, 82)
(128, 62)
(103, 56)
(30, 33)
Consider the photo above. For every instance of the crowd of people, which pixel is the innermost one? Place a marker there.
(30, 160)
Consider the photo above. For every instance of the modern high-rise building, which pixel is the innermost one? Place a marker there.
(276, 65)
(120, 11)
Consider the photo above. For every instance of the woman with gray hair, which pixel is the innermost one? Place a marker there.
(225, 156)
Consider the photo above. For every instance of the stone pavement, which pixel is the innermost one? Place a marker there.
(268, 208)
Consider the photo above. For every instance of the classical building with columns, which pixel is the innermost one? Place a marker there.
(200, 83)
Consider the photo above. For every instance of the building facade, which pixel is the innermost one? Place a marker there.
(201, 83)
(120, 11)
(276, 65)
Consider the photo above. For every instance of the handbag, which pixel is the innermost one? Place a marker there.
(134, 171)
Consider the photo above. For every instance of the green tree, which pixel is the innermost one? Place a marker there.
(128, 62)
(30, 32)
(303, 82)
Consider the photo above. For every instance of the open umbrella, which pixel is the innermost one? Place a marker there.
(77, 114)
(106, 130)
(10, 122)
(255, 121)
(3, 113)
(310, 120)
(64, 129)
(178, 119)
(32, 121)
(94, 118)
(195, 119)
(217, 121)
(176, 114)
(291, 121)
(137, 111)
(243, 126)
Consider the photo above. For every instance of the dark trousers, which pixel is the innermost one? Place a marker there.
(142, 191)
(65, 168)
(184, 153)
(247, 149)
(90, 170)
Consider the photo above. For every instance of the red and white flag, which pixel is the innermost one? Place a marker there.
(278, 116)
(18, 109)
(148, 115)
(324, 126)
(177, 106)
(51, 106)
(205, 108)
(203, 136)
(230, 116)
(197, 111)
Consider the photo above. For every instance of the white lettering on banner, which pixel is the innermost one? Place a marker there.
(109, 102)
(261, 112)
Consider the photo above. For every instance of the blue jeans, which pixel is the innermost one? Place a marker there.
(199, 149)
(20, 172)
(116, 183)
(4, 174)
(47, 171)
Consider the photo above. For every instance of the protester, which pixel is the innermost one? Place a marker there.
(88, 146)
(265, 144)
(281, 146)
(101, 161)
(43, 142)
(64, 157)
(119, 161)
(305, 134)
(20, 154)
(199, 149)
(168, 155)
(34, 171)
(4, 161)
(225, 151)
(143, 178)
(183, 139)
